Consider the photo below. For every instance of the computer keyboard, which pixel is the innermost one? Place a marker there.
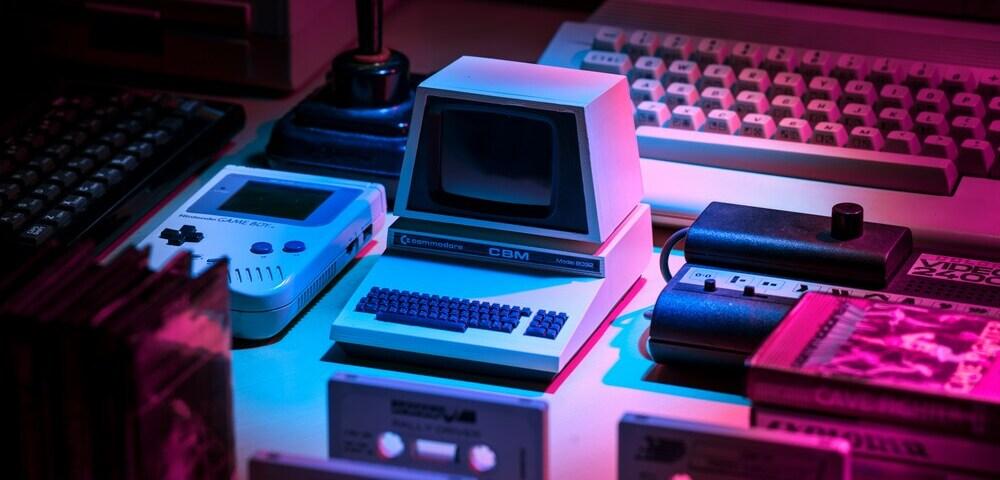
(95, 160)
(796, 128)
(456, 314)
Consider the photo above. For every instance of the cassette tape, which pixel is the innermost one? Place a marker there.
(280, 466)
(659, 448)
(446, 430)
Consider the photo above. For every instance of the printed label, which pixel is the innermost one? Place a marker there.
(545, 259)
(956, 269)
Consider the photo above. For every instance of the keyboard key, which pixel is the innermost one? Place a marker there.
(645, 89)
(967, 127)
(751, 102)
(114, 139)
(607, 62)
(859, 91)
(758, 126)
(709, 51)
(940, 147)
(108, 176)
(609, 39)
(686, 117)
(59, 151)
(815, 63)
(753, 79)
(641, 43)
(57, 218)
(850, 67)
(745, 55)
(958, 79)
(652, 68)
(780, 59)
(787, 83)
(74, 138)
(722, 121)
(10, 222)
(141, 150)
(993, 132)
(890, 119)
(74, 203)
(91, 189)
(922, 75)
(406, 319)
(132, 127)
(839, 165)
(885, 71)
(993, 110)
(157, 137)
(715, 98)
(27, 178)
(124, 162)
(902, 142)
(975, 157)
(675, 47)
(794, 130)
(81, 165)
(866, 138)
(47, 192)
(931, 100)
(895, 96)
(36, 234)
(43, 164)
(822, 111)
(171, 124)
(830, 134)
(858, 115)
(824, 88)
(683, 71)
(98, 152)
(989, 84)
(9, 191)
(681, 94)
(29, 206)
(930, 123)
(968, 104)
(787, 106)
(721, 76)
(64, 178)
(654, 114)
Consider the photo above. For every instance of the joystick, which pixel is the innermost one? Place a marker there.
(370, 75)
(848, 221)
(354, 126)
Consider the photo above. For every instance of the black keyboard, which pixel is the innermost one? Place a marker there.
(456, 314)
(95, 160)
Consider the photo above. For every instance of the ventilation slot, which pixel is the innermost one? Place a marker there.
(316, 286)
(263, 275)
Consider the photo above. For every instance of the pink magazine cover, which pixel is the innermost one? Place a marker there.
(893, 362)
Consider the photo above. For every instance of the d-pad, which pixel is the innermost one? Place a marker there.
(187, 233)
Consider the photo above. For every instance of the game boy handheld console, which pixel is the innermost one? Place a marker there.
(520, 224)
(285, 235)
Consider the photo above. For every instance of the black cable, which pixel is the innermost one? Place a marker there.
(665, 252)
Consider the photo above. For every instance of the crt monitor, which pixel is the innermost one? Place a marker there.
(503, 163)
(513, 155)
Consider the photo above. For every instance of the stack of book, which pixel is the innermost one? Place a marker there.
(115, 371)
(916, 390)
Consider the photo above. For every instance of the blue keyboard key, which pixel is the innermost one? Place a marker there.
(421, 322)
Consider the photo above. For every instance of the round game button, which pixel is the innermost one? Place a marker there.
(261, 248)
(294, 246)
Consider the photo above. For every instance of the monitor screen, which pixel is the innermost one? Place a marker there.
(511, 164)
(274, 200)
(497, 158)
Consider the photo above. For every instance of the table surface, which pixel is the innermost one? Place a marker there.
(280, 387)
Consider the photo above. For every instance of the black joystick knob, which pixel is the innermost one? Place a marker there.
(848, 221)
(370, 75)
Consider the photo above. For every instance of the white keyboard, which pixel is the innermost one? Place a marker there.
(720, 119)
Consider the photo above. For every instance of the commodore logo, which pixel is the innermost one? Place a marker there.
(432, 412)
